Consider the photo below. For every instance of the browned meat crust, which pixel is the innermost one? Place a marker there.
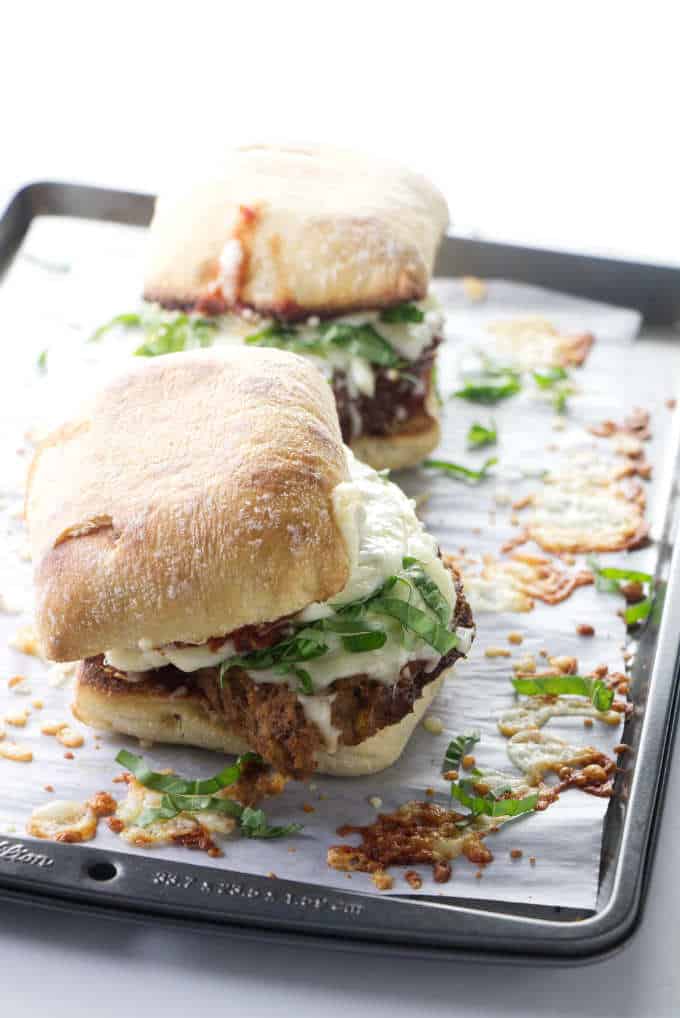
(398, 404)
(270, 717)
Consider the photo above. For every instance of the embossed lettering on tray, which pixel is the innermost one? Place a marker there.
(240, 889)
(15, 851)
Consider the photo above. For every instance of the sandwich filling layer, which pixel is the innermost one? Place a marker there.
(399, 601)
(343, 668)
(379, 363)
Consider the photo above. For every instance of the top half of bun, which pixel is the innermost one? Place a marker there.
(294, 231)
(192, 497)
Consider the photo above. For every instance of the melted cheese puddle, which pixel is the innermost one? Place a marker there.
(540, 709)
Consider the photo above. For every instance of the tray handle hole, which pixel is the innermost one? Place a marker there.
(102, 871)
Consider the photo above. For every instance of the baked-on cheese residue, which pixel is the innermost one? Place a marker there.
(194, 830)
(380, 528)
(513, 584)
(534, 342)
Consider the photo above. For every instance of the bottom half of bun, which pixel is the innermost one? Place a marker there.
(151, 713)
(401, 449)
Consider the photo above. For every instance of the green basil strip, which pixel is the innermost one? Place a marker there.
(558, 685)
(489, 805)
(361, 341)
(489, 388)
(202, 803)
(286, 338)
(184, 332)
(458, 748)
(427, 628)
(151, 815)
(455, 470)
(547, 377)
(254, 825)
(608, 580)
(614, 573)
(130, 320)
(478, 435)
(402, 313)
(164, 332)
(428, 589)
(173, 784)
(305, 684)
(638, 612)
(358, 340)
(559, 400)
(41, 362)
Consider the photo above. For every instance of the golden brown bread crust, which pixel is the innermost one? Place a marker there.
(153, 713)
(309, 229)
(193, 497)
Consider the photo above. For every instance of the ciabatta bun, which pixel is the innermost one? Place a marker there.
(191, 498)
(294, 231)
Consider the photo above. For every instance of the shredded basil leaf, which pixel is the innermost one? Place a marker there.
(596, 690)
(284, 657)
(129, 320)
(305, 684)
(358, 340)
(547, 377)
(638, 612)
(174, 784)
(361, 341)
(41, 362)
(172, 805)
(402, 313)
(254, 825)
(285, 337)
(358, 635)
(559, 400)
(457, 749)
(427, 628)
(490, 385)
(607, 577)
(427, 588)
(490, 805)
(608, 580)
(182, 795)
(184, 332)
(459, 472)
(164, 332)
(556, 379)
(478, 435)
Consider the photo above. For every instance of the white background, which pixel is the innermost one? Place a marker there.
(547, 123)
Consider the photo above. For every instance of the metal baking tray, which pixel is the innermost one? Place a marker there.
(120, 885)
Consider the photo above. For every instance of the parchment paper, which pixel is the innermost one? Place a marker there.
(73, 275)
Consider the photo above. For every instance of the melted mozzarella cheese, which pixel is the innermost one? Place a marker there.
(318, 711)
(144, 657)
(381, 528)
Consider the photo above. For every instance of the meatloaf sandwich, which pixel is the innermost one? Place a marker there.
(231, 576)
(325, 253)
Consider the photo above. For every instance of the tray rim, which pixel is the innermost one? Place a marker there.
(591, 938)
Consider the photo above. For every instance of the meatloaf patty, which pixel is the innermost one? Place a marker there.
(399, 399)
